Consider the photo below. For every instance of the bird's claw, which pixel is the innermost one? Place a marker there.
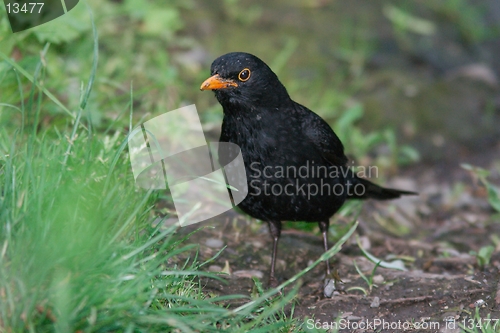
(273, 283)
(331, 282)
(335, 275)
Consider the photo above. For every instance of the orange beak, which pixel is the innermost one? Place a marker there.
(216, 82)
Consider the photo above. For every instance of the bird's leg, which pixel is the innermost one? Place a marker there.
(275, 230)
(323, 226)
(330, 279)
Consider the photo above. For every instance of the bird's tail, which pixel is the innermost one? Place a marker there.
(364, 189)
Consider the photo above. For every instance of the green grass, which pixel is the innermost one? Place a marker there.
(78, 246)
(79, 249)
(476, 323)
(79, 252)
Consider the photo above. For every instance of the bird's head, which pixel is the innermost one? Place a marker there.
(244, 81)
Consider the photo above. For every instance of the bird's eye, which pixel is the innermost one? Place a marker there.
(244, 75)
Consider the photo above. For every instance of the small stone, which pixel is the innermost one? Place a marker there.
(329, 287)
(346, 314)
(257, 244)
(214, 268)
(214, 243)
(479, 303)
(375, 302)
(424, 209)
(378, 279)
(365, 242)
(249, 273)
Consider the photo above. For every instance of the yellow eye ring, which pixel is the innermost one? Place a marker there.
(244, 75)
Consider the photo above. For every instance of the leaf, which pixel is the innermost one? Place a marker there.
(493, 192)
(484, 255)
(396, 264)
(344, 125)
(493, 196)
(479, 172)
(408, 155)
(349, 117)
(405, 21)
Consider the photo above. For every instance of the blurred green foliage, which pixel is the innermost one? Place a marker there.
(465, 16)
(136, 38)
(493, 191)
(133, 35)
(483, 256)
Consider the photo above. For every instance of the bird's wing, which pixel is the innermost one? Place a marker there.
(321, 135)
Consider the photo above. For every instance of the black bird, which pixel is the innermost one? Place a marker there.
(295, 165)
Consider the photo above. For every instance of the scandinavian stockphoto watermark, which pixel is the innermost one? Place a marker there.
(321, 179)
(170, 151)
(382, 325)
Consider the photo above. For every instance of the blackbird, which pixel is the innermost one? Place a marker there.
(295, 165)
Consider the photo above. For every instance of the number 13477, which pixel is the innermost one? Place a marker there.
(31, 7)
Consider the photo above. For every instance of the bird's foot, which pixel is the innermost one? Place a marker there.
(335, 275)
(331, 282)
(273, 283)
